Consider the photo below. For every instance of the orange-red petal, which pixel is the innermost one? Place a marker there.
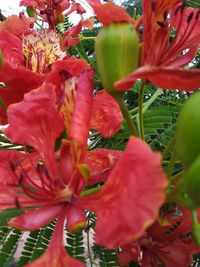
(35, 219)
(36, 122)
(109, 13)
(106, 114)
(55, 255)
(163, 77)
(101, 162)
(131, 197)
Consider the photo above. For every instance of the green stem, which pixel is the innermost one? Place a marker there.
(126, 115)
(83, 38)
(166, 162)
(3, 105)
(171, 163)
(194, 217)
(168, 147)
(147, 104)
(39, 25)
(94, 135)
(93, 143)
(140, 110)
(90, 191)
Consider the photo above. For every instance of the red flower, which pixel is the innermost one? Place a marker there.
(24, 63)
(27, 63)
(169, 244)
(43, 181)
(162, 60)
(49, 10)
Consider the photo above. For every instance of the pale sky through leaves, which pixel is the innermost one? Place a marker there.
(9, 7)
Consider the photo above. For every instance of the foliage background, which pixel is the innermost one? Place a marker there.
(161, 109)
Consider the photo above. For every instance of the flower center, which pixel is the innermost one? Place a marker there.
(41, 50)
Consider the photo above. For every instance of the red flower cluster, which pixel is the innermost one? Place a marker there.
(48, 96)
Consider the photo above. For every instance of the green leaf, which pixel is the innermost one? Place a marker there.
(8, 214)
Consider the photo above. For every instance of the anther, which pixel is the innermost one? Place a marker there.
(12, 166)
(161, 24)
(153, 5)
(42, 12)
(40, 168)
(165, 15)
(189, 18)
(46, 172)
(17, 204)
(21, 178)
(65, 75)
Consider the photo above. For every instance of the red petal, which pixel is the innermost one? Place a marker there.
(106, 115)
(17, 25)
(165, 78)
(82, 110)
(88, 23)
(22, 82)
(36, 122)
(36, 219)
(101, 162)
(18, 80)
(187, 31)
(8, 162)
(76, 7)
(130, 252)
(55, 255)
(65, 69)
(131, 197)
(76, 219)
(175, 254)
(11, 164)
(11, 47)
(70, 36)
(109, 13)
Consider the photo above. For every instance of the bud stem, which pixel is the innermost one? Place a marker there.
(126, 115)
(140, 109)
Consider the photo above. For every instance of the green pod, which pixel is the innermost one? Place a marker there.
(192, 183)
(188, 131)
(117, 53)
(195, 228)
(31, 11)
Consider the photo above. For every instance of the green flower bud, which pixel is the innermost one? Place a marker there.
(188, 131)
(192, 183)
(195, 228)
(31, 11)
(117, 53)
